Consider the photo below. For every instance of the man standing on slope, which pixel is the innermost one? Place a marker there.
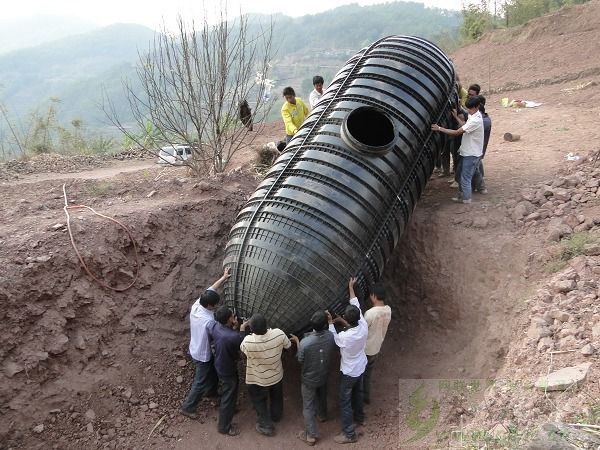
(314, 353)
(226, 341)
(353, 361)
(317, 92)
(471, 147)
(378, 318)
(293, 113)
(264, 372)
(201, 317)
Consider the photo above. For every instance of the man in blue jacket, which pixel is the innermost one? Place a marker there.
(226, 341)
(314, 353)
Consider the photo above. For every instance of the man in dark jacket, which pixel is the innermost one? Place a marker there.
(314, 353)
(226, 341)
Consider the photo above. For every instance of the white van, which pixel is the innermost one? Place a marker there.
(174, 154)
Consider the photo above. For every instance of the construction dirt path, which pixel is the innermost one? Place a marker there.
(85, 367)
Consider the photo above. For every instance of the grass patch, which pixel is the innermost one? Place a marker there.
(512, 438)
(264, 159)
(591, 416)
(571, 246)
(574, 245)
(99, 189)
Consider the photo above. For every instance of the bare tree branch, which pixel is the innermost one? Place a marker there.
(192, 83)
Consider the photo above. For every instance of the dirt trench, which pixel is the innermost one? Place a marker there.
(101, 369)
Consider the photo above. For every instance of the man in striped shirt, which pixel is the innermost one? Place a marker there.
(264, 372)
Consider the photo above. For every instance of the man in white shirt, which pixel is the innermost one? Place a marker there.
(317, 92)
(471, 147)
(378, 318)
(201, 317)
(351, 341)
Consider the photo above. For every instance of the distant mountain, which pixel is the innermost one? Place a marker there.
(72, 69)
(76, 68)
(20, 33)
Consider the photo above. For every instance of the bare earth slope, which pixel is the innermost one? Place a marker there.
(81, 366)
(558, 47)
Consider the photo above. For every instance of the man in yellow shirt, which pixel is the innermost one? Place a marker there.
(293, 113)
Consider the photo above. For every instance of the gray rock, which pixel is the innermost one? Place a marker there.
(592, 249)
(564, 378)
(90, 428)
(537, 331)
(545, 295)
(560, 315)
(528, 195)
(153, 405)
(38, 428)
(79, 342)
(545, 343)
(567, 343)
(480, 222)
(57, 344)
(571, 220)
(563, 286)
(179, 379)
(557, 436)
(588, 350)
(582, 227)
(181, 363)
(562, 195)
(90, 414)
(547, 191)
(574, 179)
(556, 232)
(12, 368)
(522, 209)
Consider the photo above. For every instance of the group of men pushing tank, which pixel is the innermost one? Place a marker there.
(217, 342)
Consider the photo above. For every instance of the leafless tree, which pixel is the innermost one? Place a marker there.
(191, 83)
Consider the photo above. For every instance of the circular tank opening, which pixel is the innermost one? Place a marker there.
(369, 129)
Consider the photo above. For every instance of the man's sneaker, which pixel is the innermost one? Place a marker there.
(451, 181)
(308, 440)
(443, 174)
(265, 431)
(191, 415)
(322, 418)
(454, 184)
(457, 199)
(483, 191)
(233, 431)
(467, 201)
(343, 439)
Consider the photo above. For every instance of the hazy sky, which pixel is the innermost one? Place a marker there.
(151, 12)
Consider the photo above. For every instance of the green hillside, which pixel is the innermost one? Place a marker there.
(74, 70)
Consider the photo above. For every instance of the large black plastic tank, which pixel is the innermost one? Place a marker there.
(336, 202)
